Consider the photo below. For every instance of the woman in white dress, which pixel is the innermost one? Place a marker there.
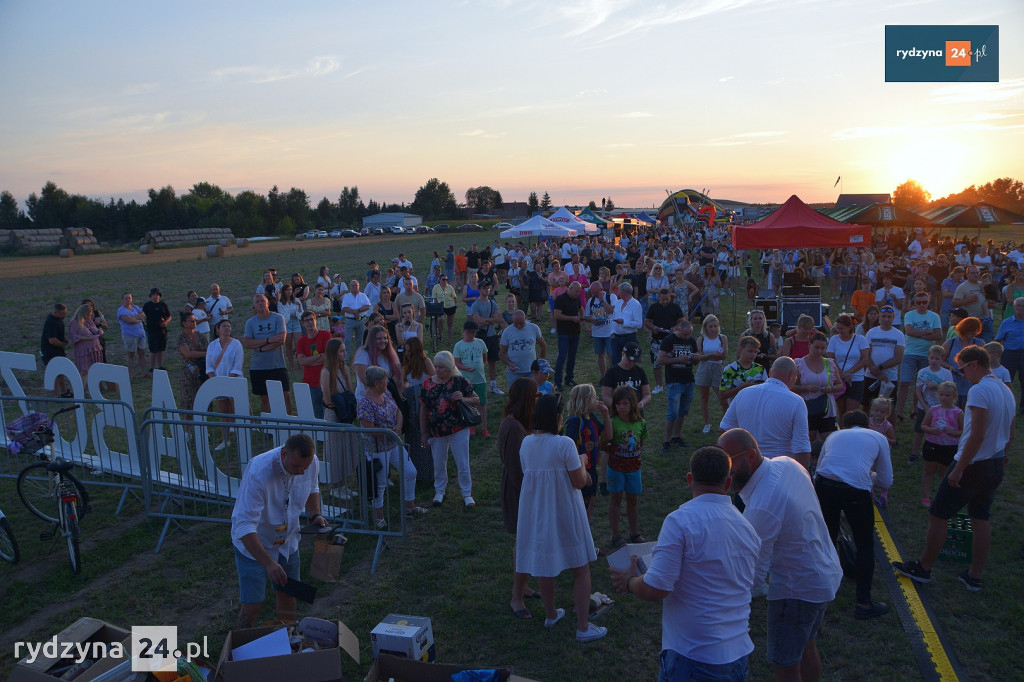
(553, 532)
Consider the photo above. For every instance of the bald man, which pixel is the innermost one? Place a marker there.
(783, 508)
(773, 414)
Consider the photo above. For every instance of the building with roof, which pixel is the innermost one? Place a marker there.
(388, 220)
(845, 200)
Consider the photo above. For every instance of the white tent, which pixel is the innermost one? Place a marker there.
(564, 216)
(538, 226)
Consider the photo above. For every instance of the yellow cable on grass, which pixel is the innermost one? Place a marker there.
(931, 638)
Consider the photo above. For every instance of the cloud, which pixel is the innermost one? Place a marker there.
(139, 89)
(726, 79)
(620, 145)
(977, 123)
(759, 137)
(314, 68)
(636, 114)
(979, 92)
(482, 134)
(593, 92)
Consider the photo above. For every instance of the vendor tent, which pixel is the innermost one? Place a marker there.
(538, 226)
(589, 216)
(646, 218)
(564, 216)
(876, 215)
(797, 225)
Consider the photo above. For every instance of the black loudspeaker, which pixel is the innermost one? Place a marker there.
(770, 308)
(792, 310)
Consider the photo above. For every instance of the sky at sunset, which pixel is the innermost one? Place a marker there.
(754, 100)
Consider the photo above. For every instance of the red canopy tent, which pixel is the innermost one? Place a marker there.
(797, 225)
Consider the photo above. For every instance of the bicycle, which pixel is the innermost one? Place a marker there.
(8, 545)
(435, 313)
(47, 482)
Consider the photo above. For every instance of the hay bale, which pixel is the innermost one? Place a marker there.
(146, 248)
(299, 237)
(66, 253)
(214, 251)
(241, 243)
(224, 242)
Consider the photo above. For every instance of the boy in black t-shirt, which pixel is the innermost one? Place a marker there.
(157, 315)
(662, 316)
(676, 353)
(626, 373)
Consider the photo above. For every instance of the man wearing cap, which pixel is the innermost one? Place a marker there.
(627, 318)
(202, 317)
(157, 316)
(355, 307)
(540, 370)
(626, 373)
(521, 343)
(887, 347)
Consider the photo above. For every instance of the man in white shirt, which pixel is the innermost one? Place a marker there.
(202, 317)
(499, 255)
(978, 470)
(627, 318)
(843, 484)
(355, 307)
(337, 292)
(887, 347)
(891, 296)
(795, 547)
(372, 290)
(276, 487)
(404, 262)
(703, 569)
(219, 307)
(773, 414)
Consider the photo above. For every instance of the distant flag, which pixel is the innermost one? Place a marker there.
(837, 181)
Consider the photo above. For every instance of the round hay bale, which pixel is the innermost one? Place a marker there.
(214, 251)
(299, 237)
(224, 242)
(146, 248)
(241, 243)
(66, 253)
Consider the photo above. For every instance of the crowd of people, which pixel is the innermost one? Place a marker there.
(917, 324)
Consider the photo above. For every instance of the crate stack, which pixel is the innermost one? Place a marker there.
(35, 241)
(79, 240)
(161, 239)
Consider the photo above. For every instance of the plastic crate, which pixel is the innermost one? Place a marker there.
(959, 539)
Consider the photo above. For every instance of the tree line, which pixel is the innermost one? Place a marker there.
(246, 214)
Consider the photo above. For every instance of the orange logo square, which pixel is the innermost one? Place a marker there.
(958, 53)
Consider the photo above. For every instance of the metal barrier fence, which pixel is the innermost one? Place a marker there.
(101, 436)
(195, 461)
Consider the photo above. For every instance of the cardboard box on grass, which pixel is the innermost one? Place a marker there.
(407, 670)
(85, 631)
(403, 636)
(311, 666)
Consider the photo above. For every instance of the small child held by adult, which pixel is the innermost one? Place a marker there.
(878, 420)
(926, 391)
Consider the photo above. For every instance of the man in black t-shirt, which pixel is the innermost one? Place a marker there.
(662, 316)
(472, 260)
(706, 253)
(52, 344)
(676, 353)
(157, 315)
(626, 373)
(567, 325)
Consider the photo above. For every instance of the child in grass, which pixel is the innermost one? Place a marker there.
(926, 390)
(878, 420)
(942, 425)
(629, 431)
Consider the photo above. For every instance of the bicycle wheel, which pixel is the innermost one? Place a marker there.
(37, 489)
(8, 545)
(70, 513)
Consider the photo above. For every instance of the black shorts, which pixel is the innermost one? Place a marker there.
(589, 491)
(821, 424)
(493, 347)
(260, 377)
(450, 312)
(502, 266)
(157, 341)
(854, 391)
(977, 490)
(943, 454)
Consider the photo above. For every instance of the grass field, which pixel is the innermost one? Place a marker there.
(456, 565)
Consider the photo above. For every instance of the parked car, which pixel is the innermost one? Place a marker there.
(424, 229)
(346, 234)
(397, 229)
(310, 235)
(321, 234)
(443, 227)
(410, 230)
(378, 230)
(469, 227)
(335, 233)
(365, 231)
(503, 226)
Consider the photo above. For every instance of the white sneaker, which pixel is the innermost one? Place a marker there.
(470, 502)
(657, 390)
(438, 499)
(342, 493)
(494, 388)
(707, 428)
(220, 447)
(592, 632)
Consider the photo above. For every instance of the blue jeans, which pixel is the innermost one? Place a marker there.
(567, 345)
(317, 395)
(679, 398)
(987, 331)
(678, 668)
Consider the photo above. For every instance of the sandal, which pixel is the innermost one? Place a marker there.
(618, 542)
(381, 524)
(637, 538)
(415, 512)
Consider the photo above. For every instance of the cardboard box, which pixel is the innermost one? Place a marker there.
(387, 667)
(97, 635)
(404, 637)
(311, 666)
